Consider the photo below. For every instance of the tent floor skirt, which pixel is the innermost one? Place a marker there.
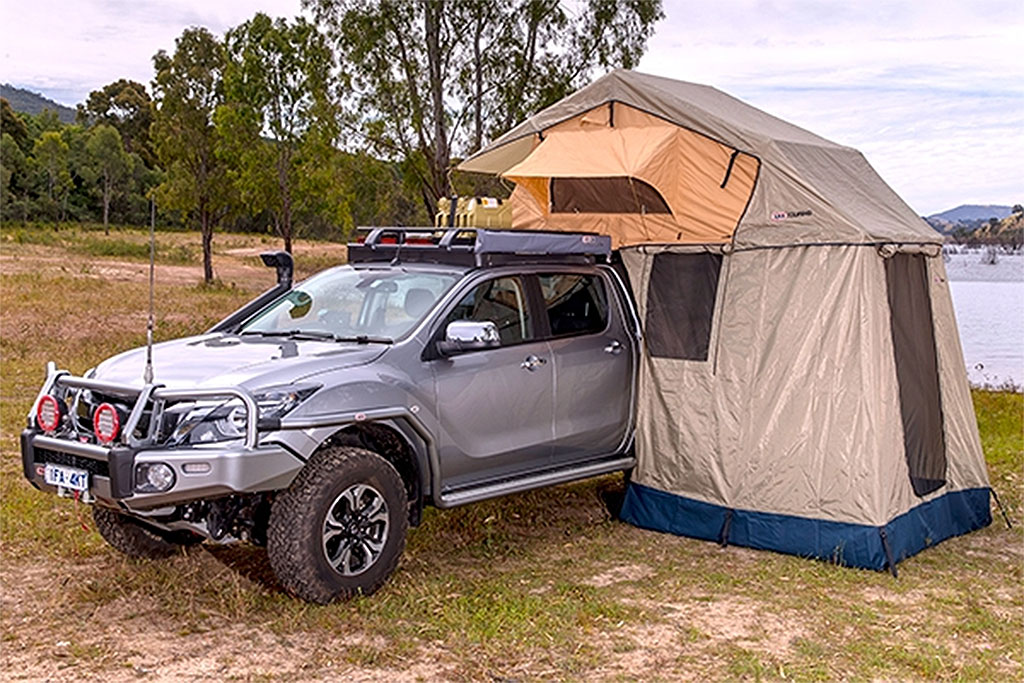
(854, 545)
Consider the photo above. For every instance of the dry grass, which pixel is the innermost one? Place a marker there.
(536, 586)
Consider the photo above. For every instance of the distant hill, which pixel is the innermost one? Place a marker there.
(973, 212)
(966, 216)
(28, 102)
(1014, 223)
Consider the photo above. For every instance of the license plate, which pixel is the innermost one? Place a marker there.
(67, 477)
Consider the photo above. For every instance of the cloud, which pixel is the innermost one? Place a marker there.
(66, 50)
(932, 93)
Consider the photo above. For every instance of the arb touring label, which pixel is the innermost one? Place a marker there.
(785, 215)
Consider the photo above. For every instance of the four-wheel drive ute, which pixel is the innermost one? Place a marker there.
(438, 367)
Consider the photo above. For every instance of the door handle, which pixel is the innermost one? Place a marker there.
(615, 348)
(532, 363)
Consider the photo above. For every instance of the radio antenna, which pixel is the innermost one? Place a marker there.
(147, 375)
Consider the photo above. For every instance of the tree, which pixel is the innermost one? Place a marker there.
(126, 106)
(278, 125)
(50, 154)
(12, 174)
(187, 90)
(431, 76)
(111, 163)
(13, 125)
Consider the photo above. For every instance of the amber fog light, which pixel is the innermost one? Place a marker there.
(153, 477)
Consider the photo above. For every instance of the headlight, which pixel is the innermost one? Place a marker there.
(212, 423)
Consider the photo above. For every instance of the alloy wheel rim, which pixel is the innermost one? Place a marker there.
(355, 529)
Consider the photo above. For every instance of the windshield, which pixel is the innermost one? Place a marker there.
(345, 303)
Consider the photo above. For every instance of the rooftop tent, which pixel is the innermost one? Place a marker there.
(802, 387)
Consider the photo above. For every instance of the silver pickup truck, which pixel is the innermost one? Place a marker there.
(438, 367)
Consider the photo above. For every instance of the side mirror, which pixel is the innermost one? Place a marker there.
(469, 335)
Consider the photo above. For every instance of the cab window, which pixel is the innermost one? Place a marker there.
(501, 301)
(576, 304)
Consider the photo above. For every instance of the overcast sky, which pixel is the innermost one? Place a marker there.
(932, 92)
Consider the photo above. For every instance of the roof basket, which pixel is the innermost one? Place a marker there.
(477, 247)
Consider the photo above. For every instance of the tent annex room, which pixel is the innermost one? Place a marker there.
(802, 386)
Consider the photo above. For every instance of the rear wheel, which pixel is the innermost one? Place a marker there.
(339, 529)
(135, 538)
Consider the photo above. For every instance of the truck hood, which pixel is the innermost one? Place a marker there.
(220, 360)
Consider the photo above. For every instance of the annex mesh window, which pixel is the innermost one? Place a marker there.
(681, 305)
(620, 194)
(917, 371)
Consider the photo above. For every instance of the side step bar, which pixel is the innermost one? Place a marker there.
(472, 495)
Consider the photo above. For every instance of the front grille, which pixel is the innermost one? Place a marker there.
(95, 467)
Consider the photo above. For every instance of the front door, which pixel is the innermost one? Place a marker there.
(495, 405)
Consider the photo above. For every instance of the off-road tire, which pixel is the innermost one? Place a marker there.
(135, 539)
(295, 540)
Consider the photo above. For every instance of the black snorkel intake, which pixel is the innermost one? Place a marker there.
(285, 265)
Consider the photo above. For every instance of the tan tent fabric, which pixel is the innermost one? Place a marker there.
(688, 169)
(796, 412)
(806, 420)
(808, 190)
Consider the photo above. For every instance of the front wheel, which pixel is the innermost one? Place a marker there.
(339, 529)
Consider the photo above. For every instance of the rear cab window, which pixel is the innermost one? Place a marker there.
(575, 303)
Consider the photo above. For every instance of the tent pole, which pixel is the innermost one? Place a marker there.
(888, 552)
(999, 505)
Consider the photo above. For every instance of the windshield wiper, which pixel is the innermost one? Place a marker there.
(365, 339)
(318, 335)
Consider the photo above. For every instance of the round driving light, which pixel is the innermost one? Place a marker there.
(153, 477)
(48, 413)
(106, 423)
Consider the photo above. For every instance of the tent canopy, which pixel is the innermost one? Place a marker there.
(800, 384)
(727, 171)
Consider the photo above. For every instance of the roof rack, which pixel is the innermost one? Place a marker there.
(477, 247)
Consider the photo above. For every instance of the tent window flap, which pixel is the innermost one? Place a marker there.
(913, 339)
(681, 304)
(620, 194)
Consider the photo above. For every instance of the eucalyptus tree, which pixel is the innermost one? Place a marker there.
(187, 89)
(112, 165)
(432, 78)
(278, 124)
(50, 156)
(125, 105)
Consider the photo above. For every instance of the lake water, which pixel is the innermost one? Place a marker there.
(989, 303)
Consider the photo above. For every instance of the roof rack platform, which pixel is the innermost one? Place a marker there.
(477, 247)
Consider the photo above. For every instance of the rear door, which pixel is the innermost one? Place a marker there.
(593, 358)
(495, 405)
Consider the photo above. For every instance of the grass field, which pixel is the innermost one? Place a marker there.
(535, 586)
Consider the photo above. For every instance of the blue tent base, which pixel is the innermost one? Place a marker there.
(854, 545)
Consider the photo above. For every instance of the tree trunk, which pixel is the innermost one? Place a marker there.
(206, 229)
(286, 223)
(106, 205)
(432, 12)
(478, 104)
(286, 200)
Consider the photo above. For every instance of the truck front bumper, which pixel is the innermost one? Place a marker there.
(211, 472)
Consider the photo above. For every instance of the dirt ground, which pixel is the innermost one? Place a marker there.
(543, 585)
